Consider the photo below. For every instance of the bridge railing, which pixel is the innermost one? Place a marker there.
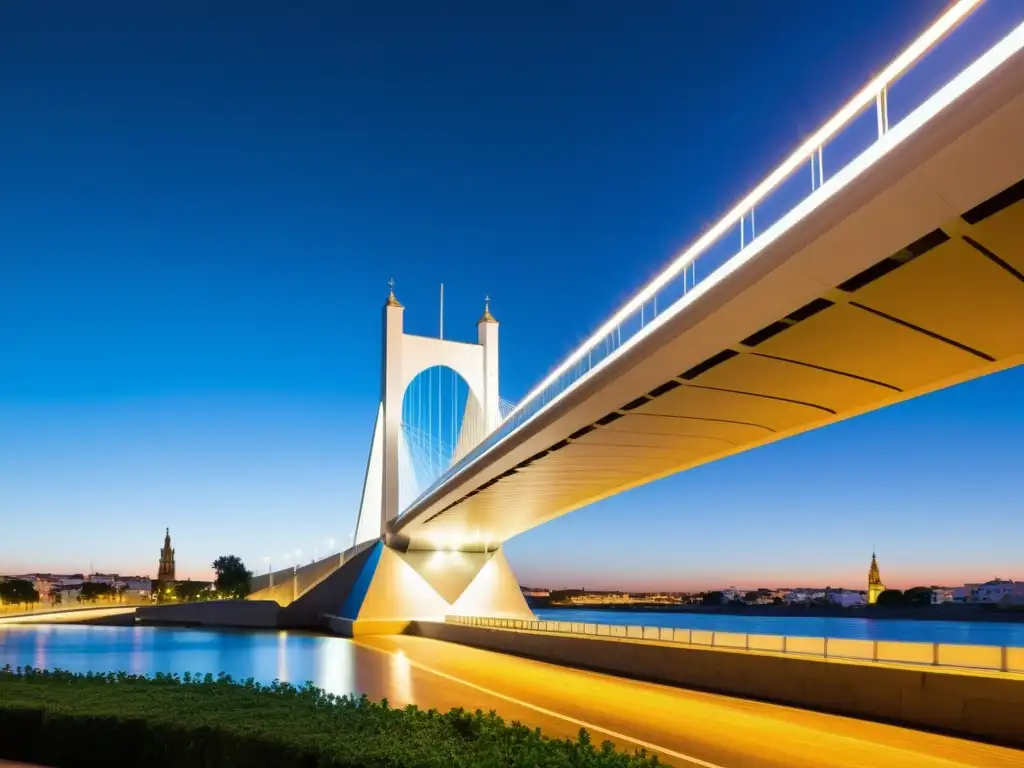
(956, 51)
(948, 655)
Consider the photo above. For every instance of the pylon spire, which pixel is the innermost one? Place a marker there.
(392, 301)
(487, 316)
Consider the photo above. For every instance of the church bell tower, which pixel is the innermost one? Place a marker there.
(875, 585)
(165, 573)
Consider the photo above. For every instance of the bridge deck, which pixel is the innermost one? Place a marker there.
(909, 279)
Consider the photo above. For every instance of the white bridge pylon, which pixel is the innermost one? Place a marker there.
(405, 457)
(380, 588)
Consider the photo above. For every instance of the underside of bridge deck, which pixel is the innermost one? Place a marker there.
(946, 308)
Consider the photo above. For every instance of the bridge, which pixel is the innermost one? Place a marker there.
(846, 281)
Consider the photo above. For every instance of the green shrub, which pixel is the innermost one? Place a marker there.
(67, 720)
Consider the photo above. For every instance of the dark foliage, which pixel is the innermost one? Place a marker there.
(67, 721)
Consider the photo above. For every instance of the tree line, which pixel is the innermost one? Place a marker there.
(233, 581)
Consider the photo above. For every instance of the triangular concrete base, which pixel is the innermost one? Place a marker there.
(382, 590)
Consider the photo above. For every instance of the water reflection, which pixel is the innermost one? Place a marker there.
(282, 656)
(40, 655)
(401, 679)
(329, 662)
(908, 630)
(335, 668)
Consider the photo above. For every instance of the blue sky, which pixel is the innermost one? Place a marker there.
(200, 210)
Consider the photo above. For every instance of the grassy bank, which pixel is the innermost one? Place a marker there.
(65, 720)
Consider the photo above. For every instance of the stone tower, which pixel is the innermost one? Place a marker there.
(165, 573)
(875, 585)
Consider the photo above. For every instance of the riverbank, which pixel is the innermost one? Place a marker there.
(945, 612)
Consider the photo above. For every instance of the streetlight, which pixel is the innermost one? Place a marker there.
(270, 571)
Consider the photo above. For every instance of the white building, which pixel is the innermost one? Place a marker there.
(136, 586)
(963, 594)
(942, 595)
(997, 591)
(847, 598)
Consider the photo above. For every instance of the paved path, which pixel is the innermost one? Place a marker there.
(685, 728)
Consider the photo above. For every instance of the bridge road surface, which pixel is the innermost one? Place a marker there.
(684, 728)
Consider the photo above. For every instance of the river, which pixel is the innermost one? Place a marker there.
(333, 663)
(342, 667)
(960, 632)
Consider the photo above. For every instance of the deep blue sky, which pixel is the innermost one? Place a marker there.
(199, 211)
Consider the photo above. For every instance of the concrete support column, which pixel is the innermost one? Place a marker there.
(393, 389)
(487, 337)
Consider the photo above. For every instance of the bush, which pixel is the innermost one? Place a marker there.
(68, 720)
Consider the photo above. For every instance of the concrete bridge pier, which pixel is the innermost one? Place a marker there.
(381, 590)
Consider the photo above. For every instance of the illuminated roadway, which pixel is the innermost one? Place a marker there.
(685, 728)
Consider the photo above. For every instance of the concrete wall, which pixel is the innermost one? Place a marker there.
(262, 581)
(291, 584)
(282, 593)
(310, 611)
(259, 614)
(972, 704)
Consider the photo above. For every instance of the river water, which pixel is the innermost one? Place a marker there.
(960, 632)
(343, 667)
(333, 663)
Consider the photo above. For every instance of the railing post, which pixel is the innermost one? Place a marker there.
(882, 111)
(1005, 659)
(935, 654)
(784, 638)
(824, 649)
(874, 651)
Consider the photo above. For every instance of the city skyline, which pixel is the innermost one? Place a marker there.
(197, 345)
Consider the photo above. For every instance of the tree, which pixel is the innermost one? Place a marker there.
(777, 601)
(18, 591)
(752, 597)
(891, 597)
(233, 578)
(712, 598)
(91, 590)
(191, 591)
(918, 596)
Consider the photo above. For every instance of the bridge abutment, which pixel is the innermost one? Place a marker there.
(381, 590)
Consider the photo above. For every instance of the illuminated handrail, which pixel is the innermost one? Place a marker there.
(642, 313)
(992, 658)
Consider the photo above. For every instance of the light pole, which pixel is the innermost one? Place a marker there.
(270, 571)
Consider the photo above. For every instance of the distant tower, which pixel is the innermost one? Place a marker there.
(165, 573)
(875, 585)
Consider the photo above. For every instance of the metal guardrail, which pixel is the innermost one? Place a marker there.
(881, 115)
(991, 658)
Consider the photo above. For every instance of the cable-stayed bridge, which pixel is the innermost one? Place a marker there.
(883, 259)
